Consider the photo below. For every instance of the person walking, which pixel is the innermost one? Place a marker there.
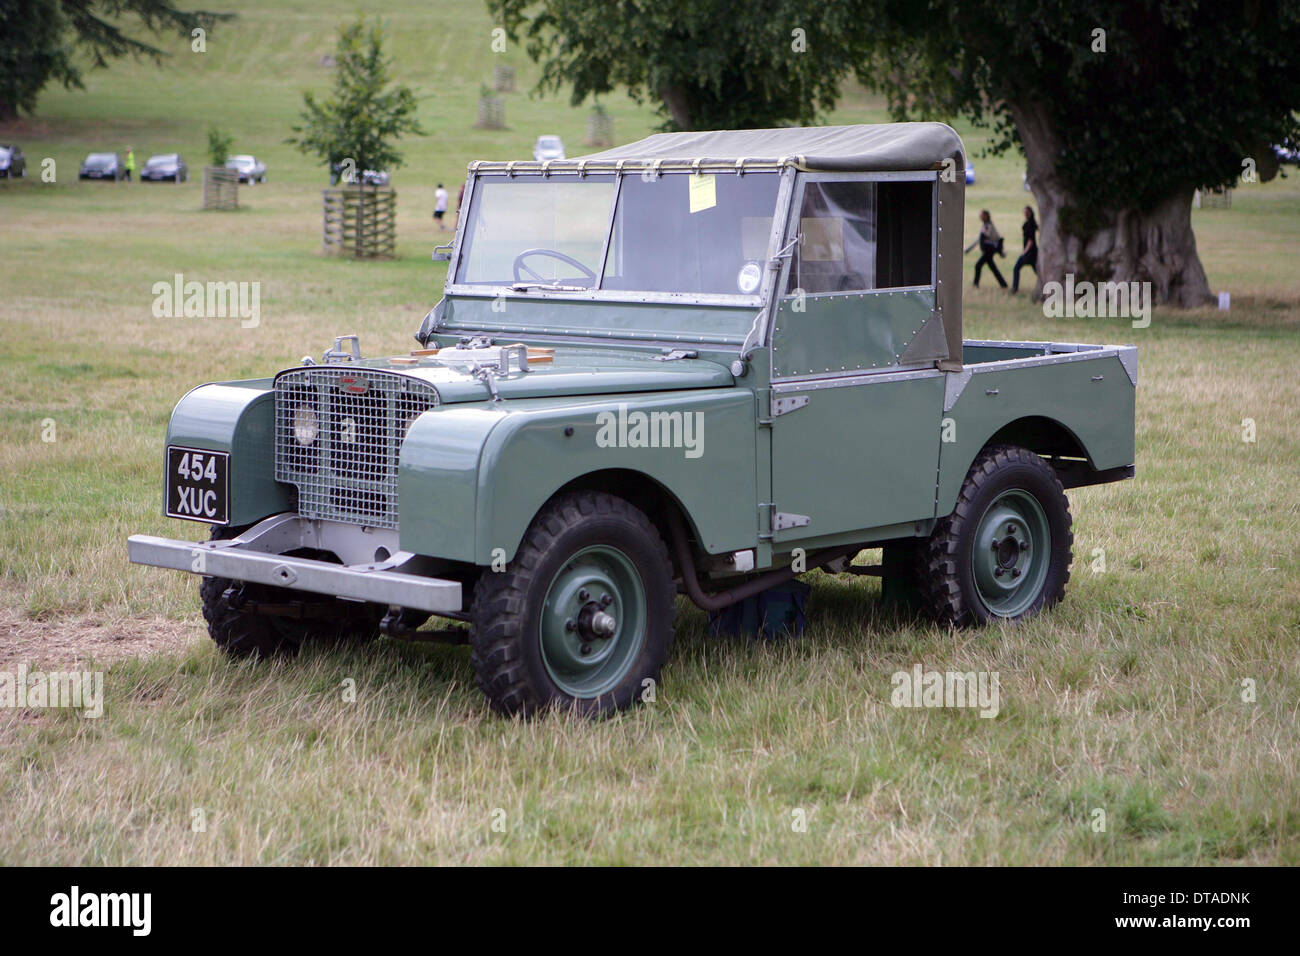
(129, 165)
(440, 207)
(1029, 257)
(990, 243)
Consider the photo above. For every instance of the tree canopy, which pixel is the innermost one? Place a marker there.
(44, 41)
(363, 117)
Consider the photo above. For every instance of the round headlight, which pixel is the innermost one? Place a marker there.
(305, 425)
(749, 277)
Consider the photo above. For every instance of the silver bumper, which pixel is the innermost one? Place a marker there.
(257, 556)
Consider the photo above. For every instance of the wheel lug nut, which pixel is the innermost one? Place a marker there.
(997, 572)
(583, 595)
(586, 648)
(1015, 572)
(606, 600)
(1011, 529)
(570, 625)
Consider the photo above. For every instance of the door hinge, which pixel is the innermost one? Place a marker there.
(782, 405)
(781, 520)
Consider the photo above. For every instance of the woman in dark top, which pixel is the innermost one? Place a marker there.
(1029, 257)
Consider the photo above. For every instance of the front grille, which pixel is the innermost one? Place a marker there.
(349, 472)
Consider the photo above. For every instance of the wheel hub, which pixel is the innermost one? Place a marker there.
(1012, 546)
(593, 621)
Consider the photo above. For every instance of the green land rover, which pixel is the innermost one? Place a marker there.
(698, 364)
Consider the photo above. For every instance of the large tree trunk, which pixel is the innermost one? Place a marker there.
(1119, 245)
(678, 101)
(8, 111)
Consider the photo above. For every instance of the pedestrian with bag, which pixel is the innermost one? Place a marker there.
(990, 243)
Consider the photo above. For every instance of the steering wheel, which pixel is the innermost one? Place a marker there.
(519, 266)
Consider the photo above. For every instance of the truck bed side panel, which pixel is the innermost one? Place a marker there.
(1099, 412)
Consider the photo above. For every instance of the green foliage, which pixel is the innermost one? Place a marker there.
(47, 40)
(219, 143)
(364, 116)
(710, 64)
(1182, 93)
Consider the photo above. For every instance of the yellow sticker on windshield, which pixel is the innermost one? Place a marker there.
(703, 192)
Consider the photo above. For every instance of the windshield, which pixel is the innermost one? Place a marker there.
(676, 233)
(240, 161)
(161, 160)
(536, 230)
(548, 142)
(100, 158)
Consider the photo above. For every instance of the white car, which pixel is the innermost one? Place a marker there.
(250, 170)
(548, 147)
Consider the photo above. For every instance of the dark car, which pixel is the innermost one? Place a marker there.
(102, 166)
(165, 166)
(250, 168)
(12, 161)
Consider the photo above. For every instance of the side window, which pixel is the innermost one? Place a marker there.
(861, 236)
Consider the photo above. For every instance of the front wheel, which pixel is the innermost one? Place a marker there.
(582, 618)
(1004, 552)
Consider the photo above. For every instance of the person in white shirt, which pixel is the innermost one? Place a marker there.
(440, 207)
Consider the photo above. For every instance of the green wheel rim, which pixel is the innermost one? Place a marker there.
(593, 622)
(1011, 553)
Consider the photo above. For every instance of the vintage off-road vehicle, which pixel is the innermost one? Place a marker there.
(699, 363)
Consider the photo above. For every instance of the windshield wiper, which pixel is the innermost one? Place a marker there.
(549, 286)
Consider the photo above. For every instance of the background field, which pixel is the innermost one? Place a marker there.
(1127, 698)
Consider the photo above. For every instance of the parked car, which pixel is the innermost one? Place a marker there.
(102, 166)
(970, 173)
(165, 166)
(12, 161)
(251, 170)
(705, 381)
(548, 147)
(367, 177)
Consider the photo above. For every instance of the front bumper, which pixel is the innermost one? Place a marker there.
(257, 556)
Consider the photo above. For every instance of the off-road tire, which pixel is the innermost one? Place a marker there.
(945, 571)
(241, 634)
(508, 611)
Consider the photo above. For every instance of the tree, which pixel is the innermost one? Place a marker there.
(1122, 111)
(1118, 128)
(364, 117)
(43, 40)
(219, 143)
(710, 64)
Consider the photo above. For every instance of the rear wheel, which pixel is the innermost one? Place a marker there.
(242, 632)
(582, 617)
(1004, 552)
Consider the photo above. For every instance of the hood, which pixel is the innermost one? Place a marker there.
(573, 371)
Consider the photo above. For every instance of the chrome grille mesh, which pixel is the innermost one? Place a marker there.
(349, 472)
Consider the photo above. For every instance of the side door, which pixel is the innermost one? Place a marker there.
(856, 400)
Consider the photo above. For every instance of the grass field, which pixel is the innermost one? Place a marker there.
(1127, 698)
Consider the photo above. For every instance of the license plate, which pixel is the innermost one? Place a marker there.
(198, 484)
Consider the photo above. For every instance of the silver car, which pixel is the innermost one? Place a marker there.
(548, 147)
(250, 169)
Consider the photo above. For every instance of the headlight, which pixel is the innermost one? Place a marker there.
(305, 425)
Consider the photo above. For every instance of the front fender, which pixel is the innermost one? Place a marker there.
(472, 478)
(239, 418)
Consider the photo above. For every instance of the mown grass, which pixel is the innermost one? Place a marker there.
(1127, 698)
